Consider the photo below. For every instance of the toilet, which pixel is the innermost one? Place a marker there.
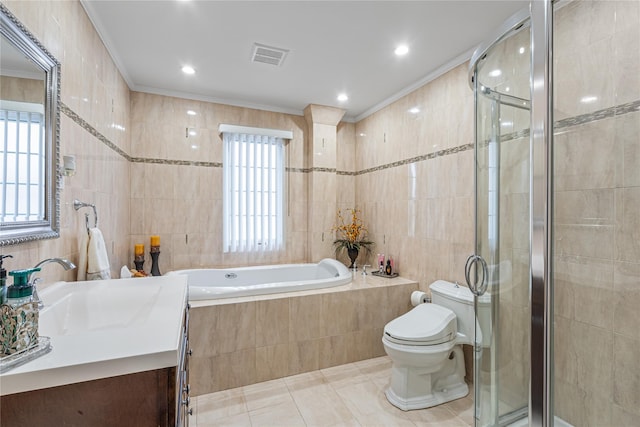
(425, 346)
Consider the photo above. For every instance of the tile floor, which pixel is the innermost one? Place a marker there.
(346, 395)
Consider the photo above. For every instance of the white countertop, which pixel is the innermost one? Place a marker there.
(103, 329)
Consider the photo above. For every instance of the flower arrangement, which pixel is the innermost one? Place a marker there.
(352, 235)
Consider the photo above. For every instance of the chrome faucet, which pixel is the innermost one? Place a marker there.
(65, 263)
(364, 269)
(68, 265)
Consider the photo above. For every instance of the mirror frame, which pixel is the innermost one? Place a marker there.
(28, 44)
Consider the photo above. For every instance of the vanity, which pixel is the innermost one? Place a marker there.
(120, 357)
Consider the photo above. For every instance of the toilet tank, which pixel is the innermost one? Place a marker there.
(459, 299)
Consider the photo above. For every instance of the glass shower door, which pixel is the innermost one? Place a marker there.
(501, 260)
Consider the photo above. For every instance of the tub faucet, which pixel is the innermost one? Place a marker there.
(65, 263)
(364, 269)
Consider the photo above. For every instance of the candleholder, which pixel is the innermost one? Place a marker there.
(139, 262)
(155, 253)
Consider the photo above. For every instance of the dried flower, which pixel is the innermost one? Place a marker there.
(351, 235)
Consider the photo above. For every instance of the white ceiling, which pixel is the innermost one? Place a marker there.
(334, 47)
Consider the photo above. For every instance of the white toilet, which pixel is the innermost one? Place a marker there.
(425, 346)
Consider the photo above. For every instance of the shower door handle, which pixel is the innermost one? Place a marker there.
(473, 287)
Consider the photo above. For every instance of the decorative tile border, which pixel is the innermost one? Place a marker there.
(607, 113)
(618, 110)
(93, 131)
(308, 170)
(175, 162)
(423, 157)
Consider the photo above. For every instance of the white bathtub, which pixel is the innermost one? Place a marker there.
(209, 283)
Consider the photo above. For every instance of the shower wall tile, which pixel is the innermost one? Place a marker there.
(628, 150)
(596, 274)
(621, 417)
(626, 280)
(585, 207)
(627, 62)
(582, 408)
(626, 392)
(582, 159)
(584, 240)
(627, 228)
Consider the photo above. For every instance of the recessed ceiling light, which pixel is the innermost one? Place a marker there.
(191, 113)
(521, 50)
(414, 110)
(343, 97)
(187, 69)
(401, 50)
(363, 134)
(588, 99)
(495, 73)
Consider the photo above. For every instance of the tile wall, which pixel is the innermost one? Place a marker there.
(414, 179)
(176, 181)
(597, 205)
(94, 126)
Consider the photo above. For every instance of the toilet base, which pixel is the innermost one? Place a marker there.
(422, 402)
(421, 387)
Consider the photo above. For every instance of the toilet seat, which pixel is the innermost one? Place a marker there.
(424, 325)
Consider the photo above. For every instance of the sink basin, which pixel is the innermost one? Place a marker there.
(76, 308)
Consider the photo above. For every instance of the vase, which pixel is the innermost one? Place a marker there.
(353, 255)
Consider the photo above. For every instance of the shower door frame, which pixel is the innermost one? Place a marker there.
(541, 210)
(540, 17)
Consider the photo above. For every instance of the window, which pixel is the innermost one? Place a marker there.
(22, 162)
(253, 200)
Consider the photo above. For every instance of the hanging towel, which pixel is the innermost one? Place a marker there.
(94, 261)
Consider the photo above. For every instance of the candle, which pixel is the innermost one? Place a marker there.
(139, 249)
(155, 240)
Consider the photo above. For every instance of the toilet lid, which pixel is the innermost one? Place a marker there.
(425, 324)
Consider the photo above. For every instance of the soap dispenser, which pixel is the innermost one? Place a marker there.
(3, 280)
(21, 292)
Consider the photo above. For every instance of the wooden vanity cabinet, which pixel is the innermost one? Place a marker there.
(151, 398)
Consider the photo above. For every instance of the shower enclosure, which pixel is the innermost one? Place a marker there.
(557, 94)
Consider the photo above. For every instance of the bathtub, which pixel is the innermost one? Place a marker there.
(209, 283)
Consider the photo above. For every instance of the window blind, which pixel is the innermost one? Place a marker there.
(21, 165)
(253, 207)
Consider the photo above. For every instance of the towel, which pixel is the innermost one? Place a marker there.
(94, 261)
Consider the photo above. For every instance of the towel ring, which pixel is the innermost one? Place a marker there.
(77, 204)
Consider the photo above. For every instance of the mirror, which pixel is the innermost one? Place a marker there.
(29, 132)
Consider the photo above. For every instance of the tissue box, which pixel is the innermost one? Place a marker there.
(19, 328)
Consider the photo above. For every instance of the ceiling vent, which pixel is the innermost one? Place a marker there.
(268, 54)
